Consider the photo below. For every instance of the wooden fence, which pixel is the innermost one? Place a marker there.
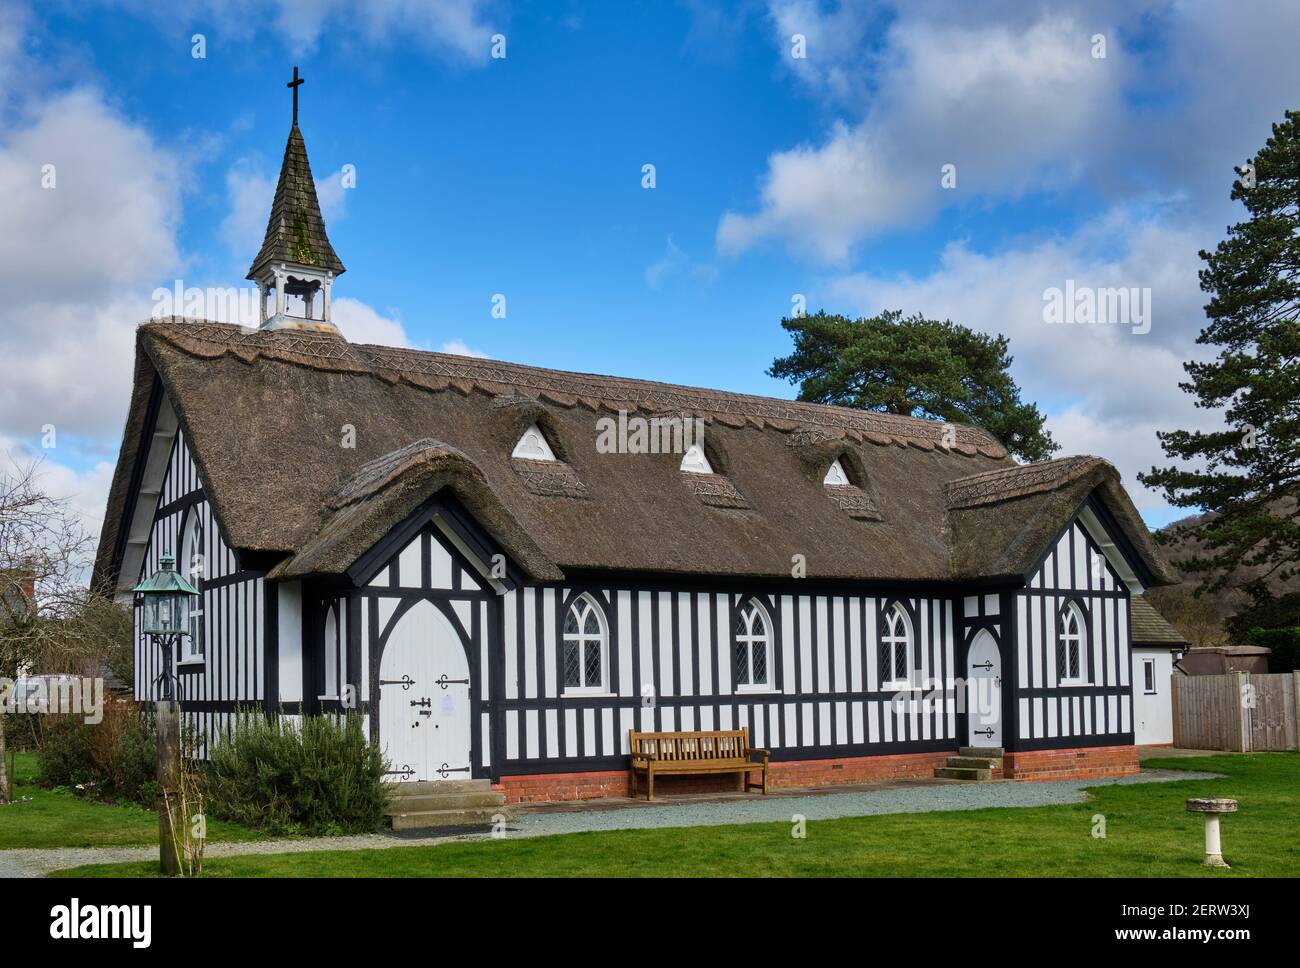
(1239, 711)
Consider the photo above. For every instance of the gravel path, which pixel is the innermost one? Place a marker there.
(896, 798)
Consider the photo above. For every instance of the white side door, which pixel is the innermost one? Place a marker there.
(984, 692)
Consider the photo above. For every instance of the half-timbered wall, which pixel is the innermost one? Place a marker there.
(231, 670)
(1099, 710)
(671, 655)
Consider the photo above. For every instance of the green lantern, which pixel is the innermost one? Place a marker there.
(166, 598)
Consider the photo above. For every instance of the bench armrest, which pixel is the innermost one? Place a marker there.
(757, 752)
(647, 757)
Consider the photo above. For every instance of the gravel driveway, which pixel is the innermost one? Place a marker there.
(903, 797)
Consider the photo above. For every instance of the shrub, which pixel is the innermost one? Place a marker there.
(114, 759)
(1285, 644)
(317, 776)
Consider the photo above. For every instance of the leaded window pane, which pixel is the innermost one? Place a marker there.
(572, 669)
(759, 652)
(742, 664)
(591, 625)
(900, 660)
(571, 621)
(593, 664)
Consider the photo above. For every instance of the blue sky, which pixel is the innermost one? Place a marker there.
(776, 175)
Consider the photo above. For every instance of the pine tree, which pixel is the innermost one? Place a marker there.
(914, 367)
(1248, 474)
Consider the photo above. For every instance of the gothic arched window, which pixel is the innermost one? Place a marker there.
(895, 646)
(586, 647)
(1072, 632)
(753, 648)
(192, 567)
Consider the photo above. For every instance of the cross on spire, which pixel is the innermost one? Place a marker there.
(296, 83)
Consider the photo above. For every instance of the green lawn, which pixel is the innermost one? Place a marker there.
(57, 818)
(1148, 834)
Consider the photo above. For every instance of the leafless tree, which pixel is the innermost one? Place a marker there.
(50, 620)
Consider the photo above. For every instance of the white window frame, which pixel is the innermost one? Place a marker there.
(193, 649)
(584, 640)
(896, 617)
(1149, 672)
(1077, 639)
(749, 611)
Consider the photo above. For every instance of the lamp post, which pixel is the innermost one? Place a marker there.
(166, 597)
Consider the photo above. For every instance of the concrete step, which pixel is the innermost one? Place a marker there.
(434, 819)
(425, 787)
(962, 773)
(976, 762)
(994, 752)
(416, 802)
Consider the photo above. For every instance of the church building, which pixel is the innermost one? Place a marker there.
(504, 570)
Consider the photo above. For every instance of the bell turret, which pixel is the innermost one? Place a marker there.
(296, 266)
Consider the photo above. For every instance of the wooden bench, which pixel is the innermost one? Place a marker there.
(710, 751)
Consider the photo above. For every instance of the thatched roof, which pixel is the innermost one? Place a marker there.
(1000, 521)
(266, 413)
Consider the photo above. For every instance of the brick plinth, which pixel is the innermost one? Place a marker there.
(795, 773)
(1073, 764)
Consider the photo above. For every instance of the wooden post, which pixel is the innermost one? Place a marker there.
(1174, 687)
(1295, 709)
(168, 718)
(1241, 683)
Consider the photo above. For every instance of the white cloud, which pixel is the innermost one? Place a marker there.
(360, 323)
(676, 262)
(460, 348)
(458, 29)
(1011, 95)
(250, 191)
(1012, 106)
(109, 221)
(77, 262)
(85, 491)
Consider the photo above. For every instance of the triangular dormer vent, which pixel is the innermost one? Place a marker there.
(533, 446)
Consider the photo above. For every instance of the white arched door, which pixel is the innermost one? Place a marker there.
(983, 692)
(424, 708)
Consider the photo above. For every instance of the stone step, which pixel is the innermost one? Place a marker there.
(416, 802)
(425, 787)
(962, 773)
(976, 762)
(435, 819)
(994, 752)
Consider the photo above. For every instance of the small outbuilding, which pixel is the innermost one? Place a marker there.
(1222, 659)
(1157, 646)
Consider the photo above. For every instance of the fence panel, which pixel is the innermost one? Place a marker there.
(1237, 711)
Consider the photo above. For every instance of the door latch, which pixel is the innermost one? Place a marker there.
(426, 702)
